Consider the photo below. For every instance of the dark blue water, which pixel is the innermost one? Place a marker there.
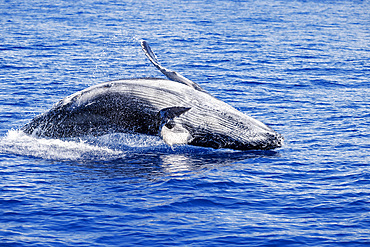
(301, 67)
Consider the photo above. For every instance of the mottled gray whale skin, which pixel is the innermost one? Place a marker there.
(178, 110)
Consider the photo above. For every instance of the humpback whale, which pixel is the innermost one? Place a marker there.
(176, 109)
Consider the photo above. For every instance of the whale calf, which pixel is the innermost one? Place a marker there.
(177, 109)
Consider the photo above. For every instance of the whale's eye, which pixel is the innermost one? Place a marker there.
(170, 124)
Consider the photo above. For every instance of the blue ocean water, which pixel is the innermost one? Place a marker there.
(301, 67)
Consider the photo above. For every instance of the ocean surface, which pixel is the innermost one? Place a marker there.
(301, 67)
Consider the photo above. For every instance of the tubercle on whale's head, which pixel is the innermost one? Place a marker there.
(251, 134)
(257, 135)
(272, 140)
(244, 140)
(259, 138)
(266, 142)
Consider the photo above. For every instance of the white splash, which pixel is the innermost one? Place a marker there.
(17, 142)
(126, 141)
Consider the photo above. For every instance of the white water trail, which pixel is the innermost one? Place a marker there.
(107, 147)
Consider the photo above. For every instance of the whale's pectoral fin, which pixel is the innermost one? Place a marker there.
(170, 113)
(172, 75)
(171, 132)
